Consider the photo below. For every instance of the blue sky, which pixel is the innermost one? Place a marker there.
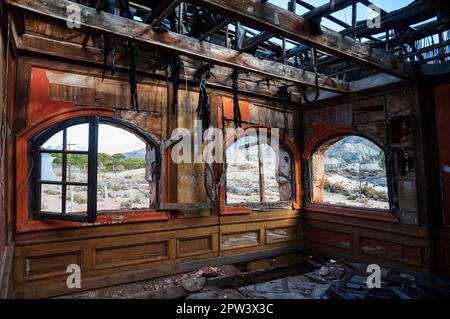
(346, 14)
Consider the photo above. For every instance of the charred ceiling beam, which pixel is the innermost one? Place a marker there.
(315, 15)
(331, 18)
(443, 6)
(253, 42)
(162, 10)
(415, 12)
(146, 66)
(426, 49)
(368, 3)
(212, 29)
(141, 35)
(273, 19)
(419, 32)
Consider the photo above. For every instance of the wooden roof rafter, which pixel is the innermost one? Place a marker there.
(142, 35)
(270, 18)
(162, 10)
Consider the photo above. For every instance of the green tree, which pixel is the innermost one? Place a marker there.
(118, 157)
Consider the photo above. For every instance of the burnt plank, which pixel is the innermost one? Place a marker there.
(273, 19)
(140, 34)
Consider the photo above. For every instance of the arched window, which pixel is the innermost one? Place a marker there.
(93, 164)
(350, 171)
(259, 172)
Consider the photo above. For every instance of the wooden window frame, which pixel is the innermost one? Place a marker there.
(330, 132)
(92, 152)
(289, 146)
(36, 183)
(24, 221)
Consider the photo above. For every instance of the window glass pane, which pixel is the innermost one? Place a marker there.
(51, 198)
(51, 167)
(78, 137)
(121, 170)
(76, 199)
(242, 176)
(54, 143)
(77, 168)
(350, 172)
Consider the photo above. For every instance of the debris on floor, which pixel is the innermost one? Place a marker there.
(163, 287)
(315, 278)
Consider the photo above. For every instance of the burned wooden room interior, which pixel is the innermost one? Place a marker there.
(208, 149)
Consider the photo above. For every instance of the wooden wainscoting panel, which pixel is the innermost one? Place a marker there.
(238, 240)
(275, 235)
(130, 254)
(329, 237)
(283, 231)
(390, 250)
(49, 266)
(392, 245)
(442, 258)
(195, 246)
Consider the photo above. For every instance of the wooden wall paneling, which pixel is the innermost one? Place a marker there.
(58, 287)
(284, 231)
(442, 256)
(108, 255)
(388, 247)
(105, 231)
(3, 158)
(113, 247)
(337, 236)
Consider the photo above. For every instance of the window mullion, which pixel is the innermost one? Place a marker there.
(64, 172)
(92, 169)
(262, 194)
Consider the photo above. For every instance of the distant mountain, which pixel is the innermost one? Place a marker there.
(138, 154)
(351, 147)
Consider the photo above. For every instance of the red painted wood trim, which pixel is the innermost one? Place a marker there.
(44, 113)
(322, 132)
(24, 223)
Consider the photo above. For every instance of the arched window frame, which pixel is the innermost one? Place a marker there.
(289, 146)
(92, 152)
(93, 121)
(24, 216)
(337, 133)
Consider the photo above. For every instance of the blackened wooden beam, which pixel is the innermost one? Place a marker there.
(413, 13)
(162, 10)
(443, 6)
(315, 15)
(331, 18)
(223, 21)
(368, 3)
(273, 19)
(141, 35)
(256, 40)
